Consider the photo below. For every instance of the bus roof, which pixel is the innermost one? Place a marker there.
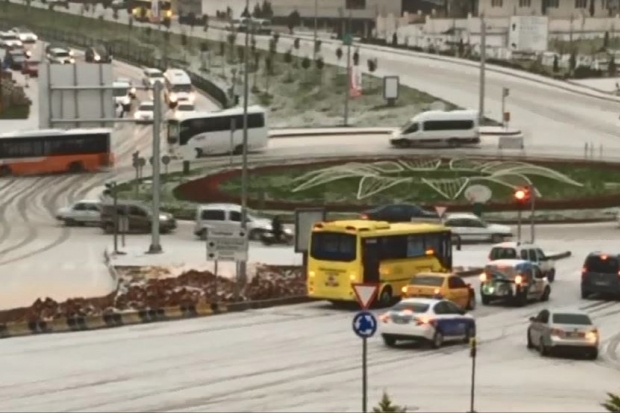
(373, 228)
(177, 77)
(36, 133)
(224, 112)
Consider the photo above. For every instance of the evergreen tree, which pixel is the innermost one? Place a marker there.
(258, 12)
(612, 404)
(385, 405)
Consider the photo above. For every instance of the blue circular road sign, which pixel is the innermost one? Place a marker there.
(365, 324)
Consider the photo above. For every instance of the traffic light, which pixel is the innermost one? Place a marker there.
(522, 195)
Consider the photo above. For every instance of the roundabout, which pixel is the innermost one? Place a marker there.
(349, 184)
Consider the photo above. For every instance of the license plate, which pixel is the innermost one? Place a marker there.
(601, 283)
(401, 321)
(574, 335)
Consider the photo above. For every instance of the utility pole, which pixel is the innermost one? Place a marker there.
(244, 169)
(155, 247)
(348, 38)
(483, 58)
(316, 37)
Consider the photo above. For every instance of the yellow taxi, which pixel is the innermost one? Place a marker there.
(441, 286)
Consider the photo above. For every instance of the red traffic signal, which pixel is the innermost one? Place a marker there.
(522, 195)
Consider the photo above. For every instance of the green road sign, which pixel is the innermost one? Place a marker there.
(347, 39)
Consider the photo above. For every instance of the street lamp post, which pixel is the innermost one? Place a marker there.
(316, 37)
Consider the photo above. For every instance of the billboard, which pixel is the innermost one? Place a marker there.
(528, 33)
(75, 95)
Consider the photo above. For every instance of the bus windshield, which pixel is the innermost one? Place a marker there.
(333, 246)
(120, 91)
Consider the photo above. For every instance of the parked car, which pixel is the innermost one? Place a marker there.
(524, 251)
(227, 217)
(84, 212)
(15, 59)
(9, 40)
(601, 275)
(399, 213)
(138, 215)
(470, 227)
(553, 331)
(26, 36)
(97, 54)
(31, 68)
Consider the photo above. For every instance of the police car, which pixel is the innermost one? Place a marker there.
(514, 281)
(428, 320)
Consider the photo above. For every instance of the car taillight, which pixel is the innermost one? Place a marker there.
(483, 277)
(518, 280)
(364, 216)
(583, 273)
(385, 318)
(556, 332)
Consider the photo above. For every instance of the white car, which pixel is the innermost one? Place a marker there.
(145, 112)
(60, 56)
(25, 35)
(184, 109)
(428, 320)
(132, 89)
(524, 251)
(228, 217)
(85, 212)
(9, 40)
(150, 76)
(469, 227)
(122, 94)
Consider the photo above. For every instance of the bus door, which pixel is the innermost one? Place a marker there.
(371, 260)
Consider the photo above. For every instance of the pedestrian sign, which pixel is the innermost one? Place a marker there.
(364, 324)
(365, 293)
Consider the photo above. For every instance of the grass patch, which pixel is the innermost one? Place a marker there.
(279, 186)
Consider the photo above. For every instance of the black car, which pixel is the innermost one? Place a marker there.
(15, 59)
(601, 275)
(399, 213)
(97, 54)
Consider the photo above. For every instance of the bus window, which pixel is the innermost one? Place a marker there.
(333, 246)
(415, 246)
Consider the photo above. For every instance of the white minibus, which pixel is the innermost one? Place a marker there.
(178, 86)
(217, 133)
(456, 127)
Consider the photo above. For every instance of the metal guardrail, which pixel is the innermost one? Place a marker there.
(135, 55)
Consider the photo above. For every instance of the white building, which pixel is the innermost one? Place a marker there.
(559, 9)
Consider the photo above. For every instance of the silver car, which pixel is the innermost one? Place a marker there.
(554, 331)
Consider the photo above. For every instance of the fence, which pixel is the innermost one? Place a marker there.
(134, 55)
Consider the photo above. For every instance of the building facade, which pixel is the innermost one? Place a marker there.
(560, 9)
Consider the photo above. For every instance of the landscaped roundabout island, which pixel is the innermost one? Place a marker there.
(350, 184)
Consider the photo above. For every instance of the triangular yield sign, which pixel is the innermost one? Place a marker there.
(365, 293)
(440, 210)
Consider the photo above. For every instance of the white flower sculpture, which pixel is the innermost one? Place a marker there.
(376, 177)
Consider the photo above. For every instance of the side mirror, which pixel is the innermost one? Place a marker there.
(533, 319)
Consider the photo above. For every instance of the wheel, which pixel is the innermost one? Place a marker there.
(389, 341)
(530, 344)
(546, 294)
(551, 275)
(5, 170)
(76, 167)
(485, 300)
(70, 222)
(203, 234)
(255, 235)
(471, 304)
(437, 339)
(592, 355)
(199, 153)
(497, 238)
(386, 297)
(470, 333)
(238, 150)
(584, 294)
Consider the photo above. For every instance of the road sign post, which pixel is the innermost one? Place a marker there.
(473, 350)
(365, 326)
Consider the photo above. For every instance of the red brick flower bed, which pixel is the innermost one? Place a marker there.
(207, 189)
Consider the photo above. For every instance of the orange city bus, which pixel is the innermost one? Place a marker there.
(55, 151)
(345, 252)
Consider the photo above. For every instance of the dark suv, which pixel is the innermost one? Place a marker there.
(138, 218)
(600, 275)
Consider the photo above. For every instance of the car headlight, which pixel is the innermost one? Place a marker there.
(97, 58)
(71, 53)
(136, 115)
(71, 60)
(133, 91)
(164, 217)
(173, 98)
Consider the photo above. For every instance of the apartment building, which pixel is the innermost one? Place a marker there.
(559, 9)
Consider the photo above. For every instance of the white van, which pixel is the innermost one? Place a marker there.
(456, 127)
(227, 217)
(178, 86)
(122, 94)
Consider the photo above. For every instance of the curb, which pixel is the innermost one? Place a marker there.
(345, 130)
